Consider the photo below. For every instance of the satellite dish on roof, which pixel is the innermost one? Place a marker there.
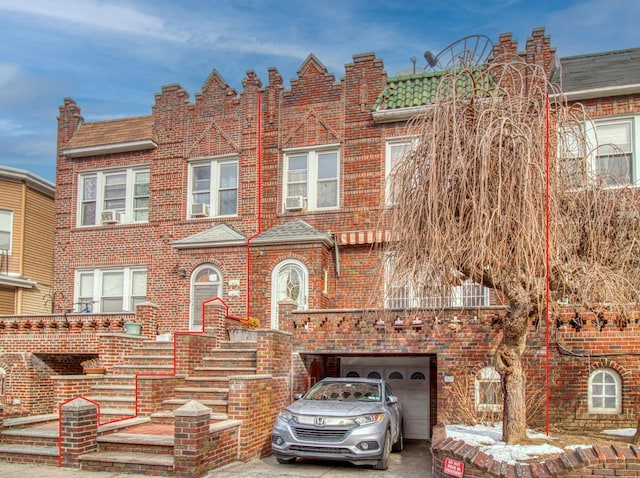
(469, 50)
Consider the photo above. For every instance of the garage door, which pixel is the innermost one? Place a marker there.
(409, 379)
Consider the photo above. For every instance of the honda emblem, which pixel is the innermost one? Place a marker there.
(319, 421)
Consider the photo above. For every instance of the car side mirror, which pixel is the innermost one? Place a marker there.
(297, 396)
(392, 400)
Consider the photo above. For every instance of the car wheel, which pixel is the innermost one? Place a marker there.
(383, 463)
(285, 461)
(398, 446)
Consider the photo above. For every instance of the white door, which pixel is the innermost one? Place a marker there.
(409, 379)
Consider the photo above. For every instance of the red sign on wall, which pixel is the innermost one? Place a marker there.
(453, 467)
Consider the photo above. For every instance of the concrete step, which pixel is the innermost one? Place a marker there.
(223, 371)
(35, 437)
(44, 455)
(149, 369)
(200, 393)
(106, 389)
(126, 442)
(167, 417)
(216, 406)
(119, 462)
(113, 401)
(228, 362)
(148, 359)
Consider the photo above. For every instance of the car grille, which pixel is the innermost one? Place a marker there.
(323, 450)
(320, 434)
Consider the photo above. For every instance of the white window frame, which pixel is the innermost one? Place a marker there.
(6, 218)
(491, 377)
(92, 300)
(215, 280)
(215, 187)
(304, 287)
(595, 146)
(395, 148)
(312, 180)
(615, 382)
(128, 212)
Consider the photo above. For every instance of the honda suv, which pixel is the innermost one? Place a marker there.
(358, 420)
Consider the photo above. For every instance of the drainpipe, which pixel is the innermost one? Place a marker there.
(258, 198)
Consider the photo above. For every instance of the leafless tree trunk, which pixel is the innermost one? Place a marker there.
(636, 437)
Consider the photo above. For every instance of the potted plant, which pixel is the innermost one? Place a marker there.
(92, 366)
(246, 333)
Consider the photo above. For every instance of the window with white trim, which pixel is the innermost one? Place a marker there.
(113, 197)
(6, 230)
(110, 290)
(311, 179)
(612, 152)
(488, 390)
(213, 187)
(605, 391)
(395, 149)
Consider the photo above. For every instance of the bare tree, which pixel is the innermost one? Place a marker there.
(496, 190)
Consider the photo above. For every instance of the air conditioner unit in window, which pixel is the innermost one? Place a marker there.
(111, 216)
(294, 203)
(199, 210)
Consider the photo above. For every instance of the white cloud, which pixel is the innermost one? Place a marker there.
(9, 73)
(95, 14)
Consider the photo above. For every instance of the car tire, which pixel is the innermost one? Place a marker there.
(398, 446)
(285, 461)
(383, 463)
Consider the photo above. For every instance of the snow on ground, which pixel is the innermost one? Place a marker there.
(488, 439)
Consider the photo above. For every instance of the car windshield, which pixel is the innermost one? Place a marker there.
(349, 391)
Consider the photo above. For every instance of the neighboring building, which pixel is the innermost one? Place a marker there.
(27, 225)
(273, 200)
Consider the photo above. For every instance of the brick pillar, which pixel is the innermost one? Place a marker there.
(191, 440)
(146, 315)
(78, 430)
(215, 319)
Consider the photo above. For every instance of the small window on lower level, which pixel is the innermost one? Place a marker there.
(488, 390)
(605, 394)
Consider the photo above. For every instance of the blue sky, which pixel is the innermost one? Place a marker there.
(113, 56)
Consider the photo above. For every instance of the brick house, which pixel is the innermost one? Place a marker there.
(269, 203)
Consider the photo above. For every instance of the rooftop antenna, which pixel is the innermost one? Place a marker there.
(469, 50)
(413, 60)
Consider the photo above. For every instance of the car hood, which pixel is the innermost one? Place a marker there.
(334, 408)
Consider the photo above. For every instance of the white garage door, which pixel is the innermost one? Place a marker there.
(409, 379)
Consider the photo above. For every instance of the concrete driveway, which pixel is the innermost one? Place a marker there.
(414, 461)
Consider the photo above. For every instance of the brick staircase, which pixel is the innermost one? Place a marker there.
(148, 448)
(136, 444)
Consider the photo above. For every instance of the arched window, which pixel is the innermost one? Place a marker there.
(290, 280)
(488, 390)
(206, 283)
(605, 391)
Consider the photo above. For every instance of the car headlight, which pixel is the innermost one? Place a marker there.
(368, 419)
(285, 415)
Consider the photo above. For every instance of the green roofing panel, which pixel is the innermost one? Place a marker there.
(420, 89)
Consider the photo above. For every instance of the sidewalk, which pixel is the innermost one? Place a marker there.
(413, 462)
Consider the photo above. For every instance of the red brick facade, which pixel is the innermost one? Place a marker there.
(346, 315)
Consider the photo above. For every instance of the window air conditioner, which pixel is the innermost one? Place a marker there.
(111, 216)
(199, 210)
(294, 203)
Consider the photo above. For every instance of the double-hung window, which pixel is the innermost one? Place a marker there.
(395, 149)
(213, 187)
(110, 290)
(6, 230)
(311, 179)
(605, 149)
(615, 154)
(113, 197)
